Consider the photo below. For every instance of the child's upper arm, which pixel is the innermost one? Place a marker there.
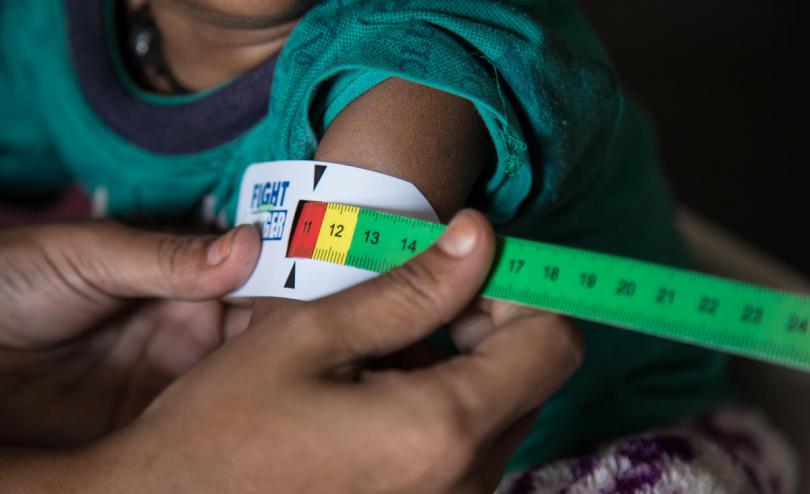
(548, 108)
(431, 138)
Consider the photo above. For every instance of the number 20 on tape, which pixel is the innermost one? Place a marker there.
(653, 299)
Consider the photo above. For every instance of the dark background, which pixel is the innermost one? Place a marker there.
(724, 81)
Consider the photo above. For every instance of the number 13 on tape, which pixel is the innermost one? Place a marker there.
(657, 300)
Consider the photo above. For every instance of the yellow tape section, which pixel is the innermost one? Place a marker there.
(337, 231)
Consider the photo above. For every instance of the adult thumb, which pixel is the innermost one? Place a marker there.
(406, 304)
(124, 262)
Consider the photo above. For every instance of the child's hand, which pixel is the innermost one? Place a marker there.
(98, 319)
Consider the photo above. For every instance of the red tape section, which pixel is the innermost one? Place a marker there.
(307, 228)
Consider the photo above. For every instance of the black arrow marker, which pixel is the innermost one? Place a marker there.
(319, 171)
(291, 279)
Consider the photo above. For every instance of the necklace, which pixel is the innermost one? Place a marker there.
(143, 50)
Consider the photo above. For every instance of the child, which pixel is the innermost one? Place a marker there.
(156, 107)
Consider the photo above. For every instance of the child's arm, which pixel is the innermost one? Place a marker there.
(433, 139)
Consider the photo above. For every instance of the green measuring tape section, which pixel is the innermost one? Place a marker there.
(658, 300)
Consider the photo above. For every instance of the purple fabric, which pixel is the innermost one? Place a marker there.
(735, 450)
(644, 455)
(734, 443)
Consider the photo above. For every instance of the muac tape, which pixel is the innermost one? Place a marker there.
(270, 196)
(339, 245)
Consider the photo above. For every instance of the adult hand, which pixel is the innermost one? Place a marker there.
(290, 405)
(99, 318)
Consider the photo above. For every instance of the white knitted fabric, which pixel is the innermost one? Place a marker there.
(729, 452)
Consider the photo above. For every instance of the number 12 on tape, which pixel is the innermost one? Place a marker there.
(657, 300)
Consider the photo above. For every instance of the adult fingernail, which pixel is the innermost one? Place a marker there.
(221, 248)
(471, 329)
(460, 237)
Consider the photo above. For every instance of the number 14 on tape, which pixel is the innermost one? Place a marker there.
(657, 300)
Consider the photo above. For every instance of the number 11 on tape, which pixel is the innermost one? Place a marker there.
(658, 300)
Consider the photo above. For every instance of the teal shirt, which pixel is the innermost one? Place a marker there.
(576, 158)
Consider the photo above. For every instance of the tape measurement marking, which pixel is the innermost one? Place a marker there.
(658, 300)
(336, 233)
